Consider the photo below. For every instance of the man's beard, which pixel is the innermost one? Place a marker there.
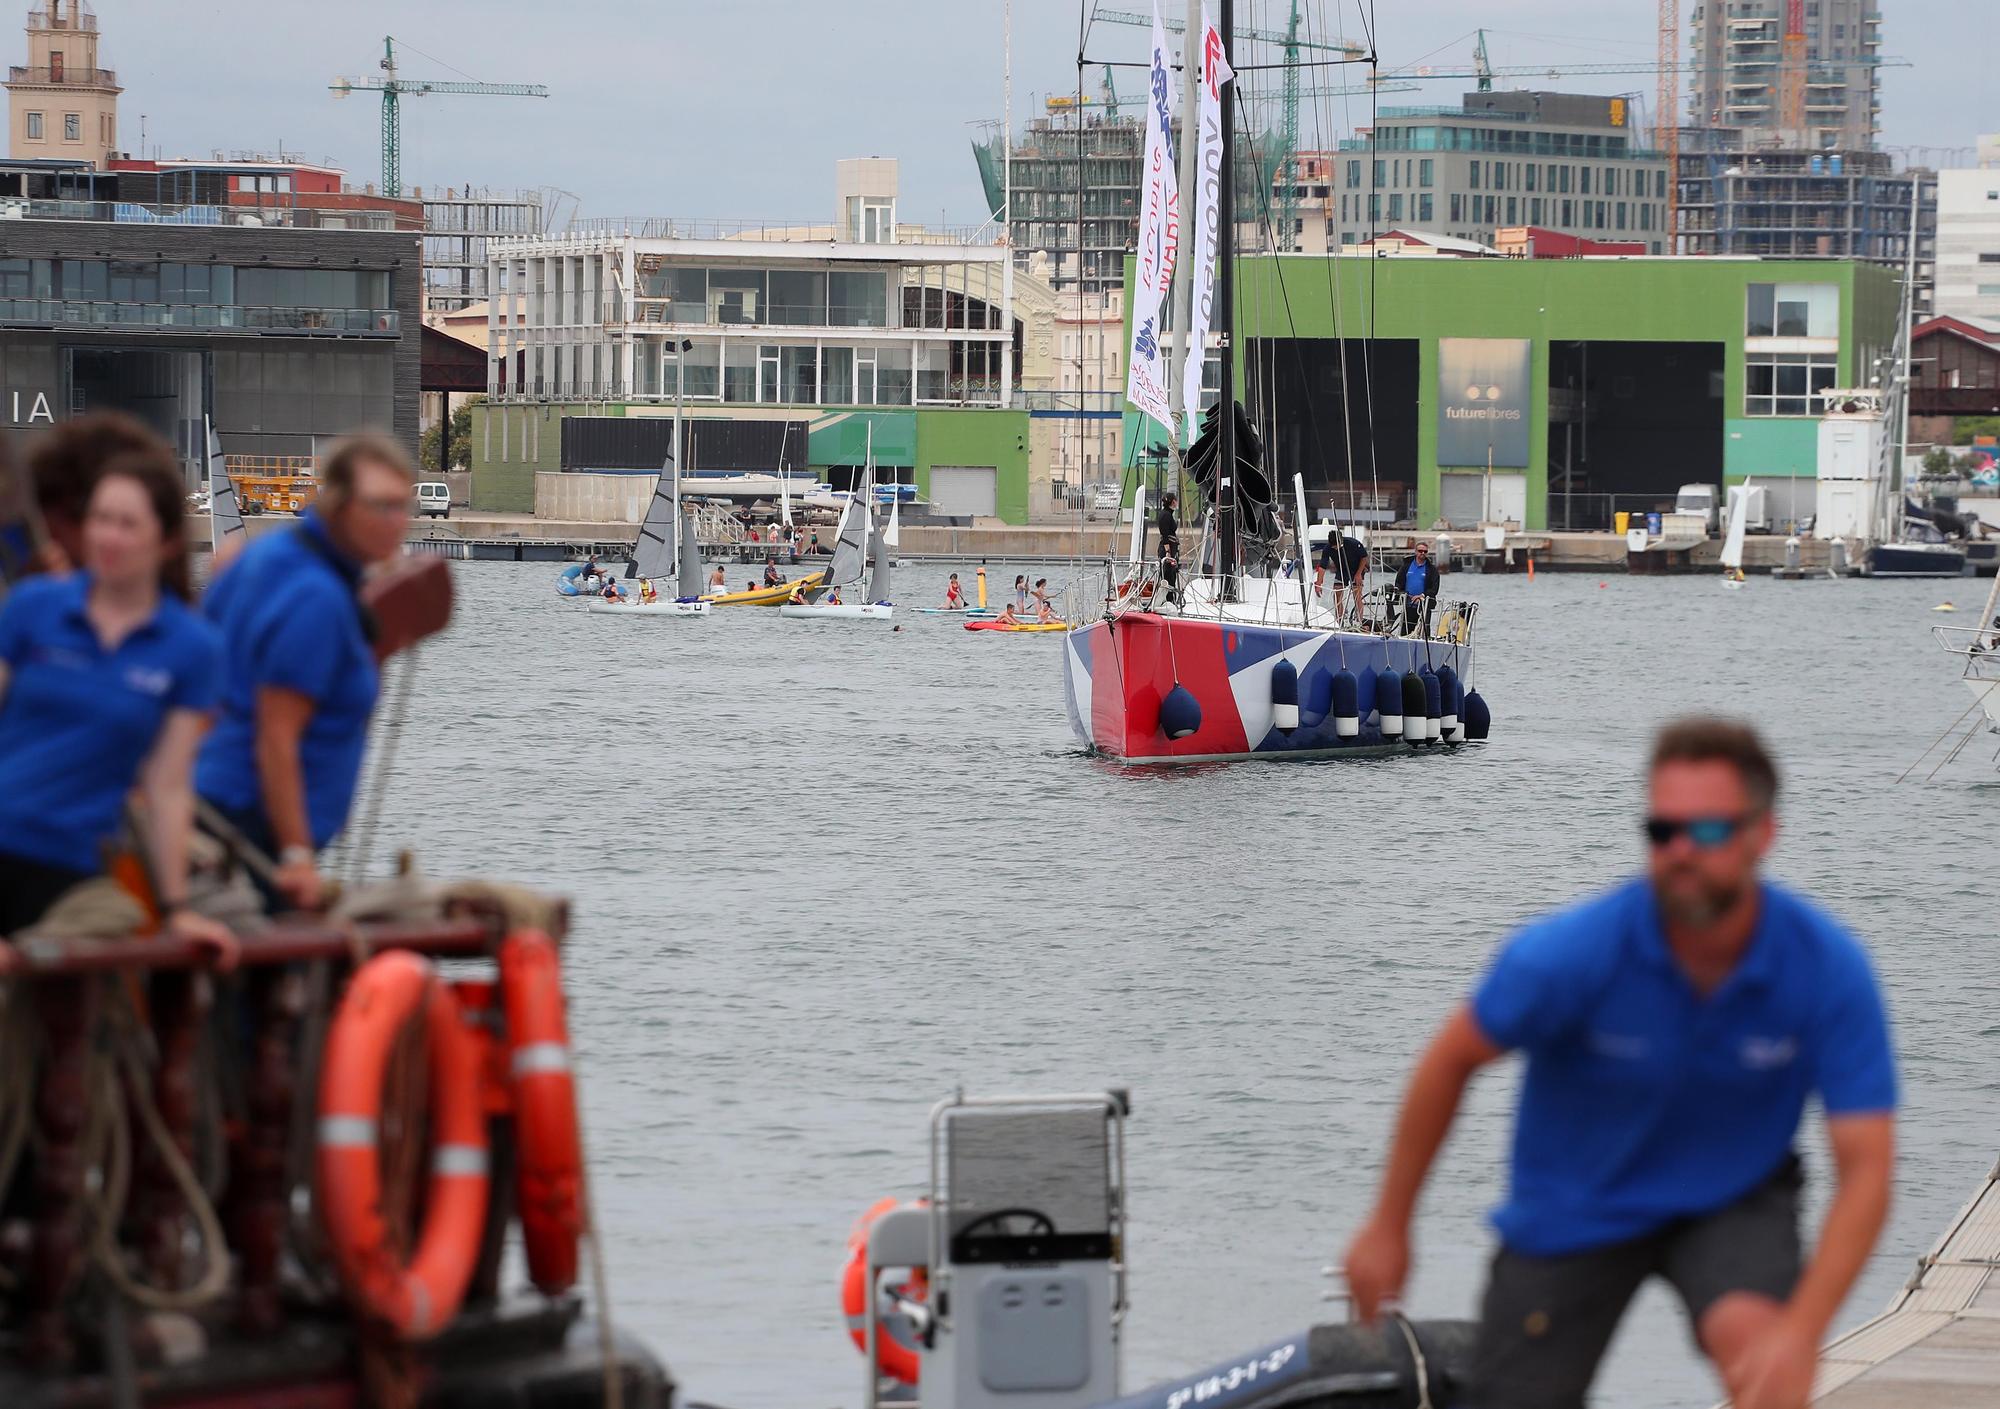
(1703, 905)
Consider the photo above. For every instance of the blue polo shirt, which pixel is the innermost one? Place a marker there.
(1644, 1102)
(288, 616)
(77, 720)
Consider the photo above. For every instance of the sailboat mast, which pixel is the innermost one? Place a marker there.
(1180, 306)
(1225, 313)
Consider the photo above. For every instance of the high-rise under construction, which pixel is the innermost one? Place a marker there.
(1742, 70)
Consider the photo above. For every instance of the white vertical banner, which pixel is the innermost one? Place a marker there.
(1215, 72)
(1159, 238)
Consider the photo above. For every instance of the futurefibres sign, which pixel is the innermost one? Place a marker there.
(1483, 401)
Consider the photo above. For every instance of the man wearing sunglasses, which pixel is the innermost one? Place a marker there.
(1673, 1031)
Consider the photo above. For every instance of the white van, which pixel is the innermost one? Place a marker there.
(1703, 500)
(433, 499)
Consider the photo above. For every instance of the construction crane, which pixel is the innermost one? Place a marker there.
(1792, 76)
(1293, 43)
(1667, 114)
(393, 90)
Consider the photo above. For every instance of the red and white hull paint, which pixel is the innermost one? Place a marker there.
(1117, 672)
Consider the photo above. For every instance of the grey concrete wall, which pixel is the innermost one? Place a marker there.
(592, 498)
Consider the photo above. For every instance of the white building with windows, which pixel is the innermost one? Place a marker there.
(864, 328)
(1968, 237)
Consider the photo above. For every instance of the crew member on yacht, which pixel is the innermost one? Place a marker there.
(300, 679)
(1169, 529)
(718, 581)
(107, 677)
(1418, 582)
(63, 466)
(954, 595)
(1344, 558)
(1673, 1029)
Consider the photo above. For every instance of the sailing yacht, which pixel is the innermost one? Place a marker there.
(1216, 654)
(858, 540)
(1732, 543)
(1979, 647)
(667, 544)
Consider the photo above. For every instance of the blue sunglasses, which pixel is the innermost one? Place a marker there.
(1705, 832)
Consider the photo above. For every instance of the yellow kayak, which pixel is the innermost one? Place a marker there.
(1017, 626)
(767, 596)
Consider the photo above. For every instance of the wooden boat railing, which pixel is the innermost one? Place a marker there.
(62, 983)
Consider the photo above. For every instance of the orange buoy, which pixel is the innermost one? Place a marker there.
(1531, 567)
(893, 1359)
(550, 1150)
(416, 1299)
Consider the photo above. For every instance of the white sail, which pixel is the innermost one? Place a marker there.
(225, 516)
(893, 534)
(850, 546)
(1739, 517)
(1138, 523)
(784, 479)
(1159, 239)
(1215, 72)
(654, 554)
(690, 558)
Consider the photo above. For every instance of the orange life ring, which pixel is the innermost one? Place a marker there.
(550, 1151)
(419, 1298)
(893, 1359)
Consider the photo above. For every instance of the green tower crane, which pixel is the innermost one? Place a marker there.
(394, 88)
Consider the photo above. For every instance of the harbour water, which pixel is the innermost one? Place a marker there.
(823, 874)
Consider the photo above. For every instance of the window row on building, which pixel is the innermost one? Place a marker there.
(743, 371)
(1562, 211)
(35, 127)
(167, 282)
(1527, 142)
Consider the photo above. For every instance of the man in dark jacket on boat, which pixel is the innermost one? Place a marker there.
(1674, 1029)
(1345, 559)
(1169, 529)
(1418, 582)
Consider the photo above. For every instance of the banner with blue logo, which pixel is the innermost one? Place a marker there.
(1484, 400)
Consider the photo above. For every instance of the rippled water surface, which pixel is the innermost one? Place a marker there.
(825, 873)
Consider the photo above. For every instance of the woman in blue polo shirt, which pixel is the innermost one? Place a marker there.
(106, 677)
(300, 676)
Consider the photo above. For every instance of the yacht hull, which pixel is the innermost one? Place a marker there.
(1117, 672)
(1915, 560)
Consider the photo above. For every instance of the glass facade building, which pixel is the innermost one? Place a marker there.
(281, 338)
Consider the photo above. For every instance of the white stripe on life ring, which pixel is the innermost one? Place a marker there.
(459, 1159)
(346, 1132)
(539, 1057)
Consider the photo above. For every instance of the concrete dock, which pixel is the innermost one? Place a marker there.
(1938, 1343)
(496, 537)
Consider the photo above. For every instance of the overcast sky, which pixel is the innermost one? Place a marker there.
(732, 109)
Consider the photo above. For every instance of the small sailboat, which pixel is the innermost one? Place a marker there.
(666, 543)
(1732, 543)
(858, 538)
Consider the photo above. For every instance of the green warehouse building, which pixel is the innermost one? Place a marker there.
(1552, 392)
